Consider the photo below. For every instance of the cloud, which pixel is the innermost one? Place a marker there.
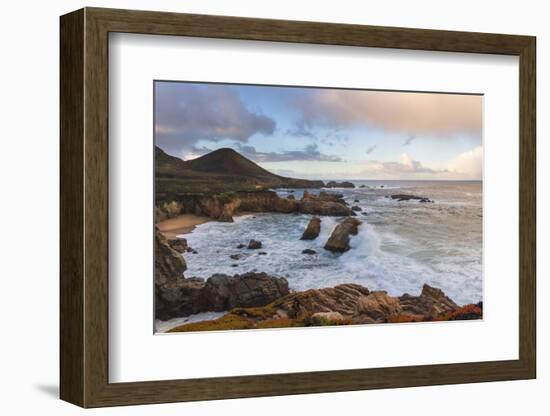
(309, 153)
(186, 113)
(300, 131)
(406, 167)
(468, 164)
(416, 113)
(371, 149)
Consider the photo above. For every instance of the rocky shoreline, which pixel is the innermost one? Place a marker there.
(222, 207)
(258, 300)
(346, 304)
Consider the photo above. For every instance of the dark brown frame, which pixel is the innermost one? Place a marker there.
(84, 208)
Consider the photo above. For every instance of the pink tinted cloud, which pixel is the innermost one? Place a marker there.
(416, 113)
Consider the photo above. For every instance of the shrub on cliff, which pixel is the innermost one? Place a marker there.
(226, 197)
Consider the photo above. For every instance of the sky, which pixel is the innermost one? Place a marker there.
(322, 133)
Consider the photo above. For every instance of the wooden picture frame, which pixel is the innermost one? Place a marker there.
(84, 207)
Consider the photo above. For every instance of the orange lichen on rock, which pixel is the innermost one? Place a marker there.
(462, 313)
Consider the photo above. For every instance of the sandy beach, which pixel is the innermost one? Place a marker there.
(182, 224)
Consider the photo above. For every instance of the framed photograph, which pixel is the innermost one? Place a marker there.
(255, 207)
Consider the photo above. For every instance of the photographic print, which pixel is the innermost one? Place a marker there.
(285, 206)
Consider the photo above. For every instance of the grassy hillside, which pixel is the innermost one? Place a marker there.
(222, 170)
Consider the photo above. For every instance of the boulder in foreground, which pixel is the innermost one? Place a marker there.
(223, 292)
(179, 298)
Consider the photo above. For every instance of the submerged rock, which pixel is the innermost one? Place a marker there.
(313, 229)
(339, 239)
(356, 208)
(254, 245)
(308, 251)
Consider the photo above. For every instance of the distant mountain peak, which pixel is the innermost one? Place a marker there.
(225, 150)
(227, 161)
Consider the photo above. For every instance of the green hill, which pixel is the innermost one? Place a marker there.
(223, 170)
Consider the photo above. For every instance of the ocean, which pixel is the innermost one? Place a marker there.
(399, 247)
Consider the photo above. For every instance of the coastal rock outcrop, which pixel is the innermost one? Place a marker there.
(328, 208)
(341, 305)
(223, 292)
(313, 229)
(376, 307)
(187, 296)
(340, 237)
(254, 245)
(181, 297)
(431, 303)
(169, 264)
(174, 295)
(344, 184)
(324, 196)
(168, 209)
(179, 244)
(224, 206)
(342, 299)
(407, 197)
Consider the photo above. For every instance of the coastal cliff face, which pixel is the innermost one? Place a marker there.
(224, 206)
(169, 264)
